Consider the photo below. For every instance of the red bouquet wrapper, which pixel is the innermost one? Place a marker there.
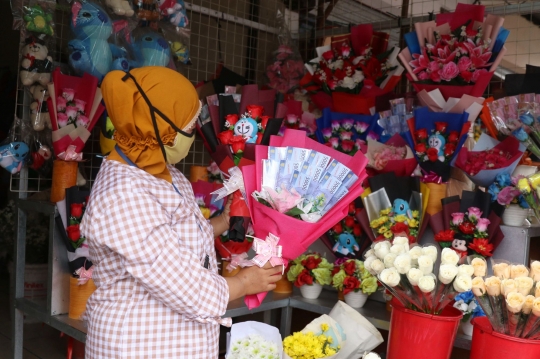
(477, 89)
(296, 235)
(403, 168)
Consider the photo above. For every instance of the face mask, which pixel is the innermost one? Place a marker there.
(180, 149)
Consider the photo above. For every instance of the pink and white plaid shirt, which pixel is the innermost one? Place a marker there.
(154, 298)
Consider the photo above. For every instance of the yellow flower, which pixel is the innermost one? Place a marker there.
(386, 211)
(413, 223)
(400, 218)
(383, 229)
(535, 180)
(523, 185)
(375, 223)
(415, 214)
(388, 234)
(205, 212)
(324, 327)
(383, 219)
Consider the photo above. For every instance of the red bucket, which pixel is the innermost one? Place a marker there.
(411, 331)
(488, 344)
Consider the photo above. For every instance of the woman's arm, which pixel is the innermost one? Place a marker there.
(220, 223)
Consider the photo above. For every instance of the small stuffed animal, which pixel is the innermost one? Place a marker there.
(38, 20)
(247, 128)
(401, 207)
(175, 10)
(460, 246)
(438, 142)
(181, 52)
(346, 244)
(39, 113)
(90, 51)
(120, 7)
(12, 156)
(36, 64)
(152, 50)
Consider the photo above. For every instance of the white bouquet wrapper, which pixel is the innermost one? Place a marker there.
(244, 330)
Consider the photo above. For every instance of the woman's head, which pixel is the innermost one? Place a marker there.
(153, 110)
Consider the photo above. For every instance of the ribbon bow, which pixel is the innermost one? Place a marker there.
(431, 177)
(268, 250)
(233, 183)
(238, 260)
(84, 275)
(70, 154)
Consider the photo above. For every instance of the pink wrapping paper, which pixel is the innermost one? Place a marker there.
(296, 235)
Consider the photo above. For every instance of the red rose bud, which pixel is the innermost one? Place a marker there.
(352, 208)
(264, 121)
(337, 228)
(350, 284)
(335, 270)
(445, 236)
(255, 111)
(303, 278)
(400, 228)
(440, 126)
(453, 136)
(225, 137)
(449, 149)
(433, 154)
(421, 134)
(74, 232)
(357, 230)
(328, 55)
(466, 228)
(420, 148)
(259, 138)
(311, 262)
(231, 119)
(238, 144)
(37, 160)
(349, 267)
(76, 210)
(349, 221)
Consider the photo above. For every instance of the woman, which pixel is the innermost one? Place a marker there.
(158, 291)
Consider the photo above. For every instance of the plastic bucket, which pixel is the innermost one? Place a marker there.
(488, 344)
(412, 332)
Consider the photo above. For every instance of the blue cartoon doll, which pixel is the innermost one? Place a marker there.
(438, 142)
(12, 156)
(401, 207)
(247, 128)
(346, 244)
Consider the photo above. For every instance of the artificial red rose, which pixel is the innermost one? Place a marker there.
(420, 148)
(357, 230)
(352, 208)
(225, 137)
(74, 232)
(328, 55)
(335, 270)
(372, 69)
(466, 75)
(433, 154)
(349, 267)
(231, 119)
(421, 134)
(339, 74)
(76, 210)
(412, 240)
(449, 149)
(259, 138)
(445, 236)
(337, 228)
(349, 221)
(440, 127)
(311, 262)
(400, 228)
(467, 227)
(255, 111)
(37, 160)
(238, 144)
(347, 145)
(453, 136)
(303, 278)
(350, 284)
(264, 121)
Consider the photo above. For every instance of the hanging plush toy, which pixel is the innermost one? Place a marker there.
(120, 7)
(175, 10)
(12, 156)
(38, 20)
(153, 49)
(39, 113)
(90, 51)
(346, 244)
(36, 64)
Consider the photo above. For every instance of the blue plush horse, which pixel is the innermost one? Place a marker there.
(12, 156)
(346, 244)
(90, 51)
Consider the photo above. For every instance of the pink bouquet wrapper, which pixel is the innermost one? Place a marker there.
(296, 235)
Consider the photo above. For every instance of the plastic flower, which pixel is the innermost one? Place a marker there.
(482, 247)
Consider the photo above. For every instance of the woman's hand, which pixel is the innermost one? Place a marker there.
(221, 223)
(253, 280)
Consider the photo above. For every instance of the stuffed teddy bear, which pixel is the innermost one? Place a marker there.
(36, 65)
(90, 51)
(39, 113)
(120, 7)
(175, 10)
(37, 20)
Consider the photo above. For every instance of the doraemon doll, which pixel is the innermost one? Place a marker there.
(90, 51)
(247, 128)
(401, 207)
(346, 244)
(12, 156)
(437, 141)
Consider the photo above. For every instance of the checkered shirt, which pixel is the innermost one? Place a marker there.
(154, 298)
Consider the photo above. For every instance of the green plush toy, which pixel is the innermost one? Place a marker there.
(38, 20)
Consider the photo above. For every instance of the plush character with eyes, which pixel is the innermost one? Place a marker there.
(401, 207)
(460, 246)
(438, 142)
(247, 128)
(12, 156)
(346, 244)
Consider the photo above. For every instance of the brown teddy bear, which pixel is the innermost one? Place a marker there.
(39, 113)
(36, 65)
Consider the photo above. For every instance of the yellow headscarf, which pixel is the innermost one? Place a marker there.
(169, 92)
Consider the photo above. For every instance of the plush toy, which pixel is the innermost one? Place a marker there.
(38, 20)
(401, 207)
(437, 141)
(39, 113)
(175, 10)
(120, 7)
(180, 51)
(12, 156)
(247, 128)
(153, 50)
(460, 246)
(36, 64)
(346, 244)
(90, 51)
(40, 156)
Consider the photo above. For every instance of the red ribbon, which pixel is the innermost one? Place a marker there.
(431, 177)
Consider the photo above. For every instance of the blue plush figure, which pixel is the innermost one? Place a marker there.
(437, 141)
(90, 51)
(401, 207)
(12, 156)
(346, 244)
(247, 128)
(152, 50)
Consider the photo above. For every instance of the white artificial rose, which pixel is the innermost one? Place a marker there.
(519, 270)
(426, 283)
(515, 301)
(536, 307)
(449, 256)
(480, 267)
(537, 290)
(358, 76)
(425, 264)
(466, 269)
(404, 241)
(390, 277)
(535, 271)
(371, 355)
(501, 270)
(524, 285)
(414, 275)
(348, 82)
(528, 305)
(430, 251)
(367, 263)
(478, 286)
(447, 273)
(462, 283)
(397, 249)
(403, 263)
(382, 249)
(415, 252)
(389, 260)
(493, 286)
(508, 286)
(377, 266)
(369, 253)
